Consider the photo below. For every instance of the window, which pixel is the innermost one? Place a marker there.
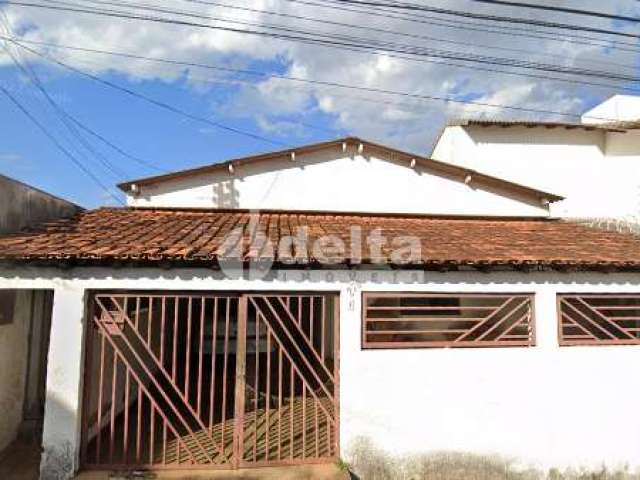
(414, 320)
(7, 304)
(599, 319)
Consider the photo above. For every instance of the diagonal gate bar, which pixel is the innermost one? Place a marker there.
(289, 335)
(167, 392)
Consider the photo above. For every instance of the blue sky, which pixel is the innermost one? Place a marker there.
(162, 138)
(289, 113)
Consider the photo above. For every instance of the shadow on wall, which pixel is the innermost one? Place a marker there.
(368, 462)
(225, 194)
(58, 456)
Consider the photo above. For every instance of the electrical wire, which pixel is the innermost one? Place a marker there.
(359, 42)
(207, 66)
(148, 99)
(57, 144)
(351, 43)
(327, 83)
(63, 115)
(494, 18)
(66, 117)
(552, 8)
(376, 30)
(505, 30)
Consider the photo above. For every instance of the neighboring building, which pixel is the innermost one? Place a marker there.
(24, 318)
(23, 206)
(340, 176)
(594, 164)
(273, 309)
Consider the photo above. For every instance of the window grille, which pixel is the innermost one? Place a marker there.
(421, 320)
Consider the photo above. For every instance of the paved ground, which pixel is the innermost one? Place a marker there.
(20, 462)
(303, 472)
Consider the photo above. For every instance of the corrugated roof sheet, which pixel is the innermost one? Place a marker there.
(171, 237)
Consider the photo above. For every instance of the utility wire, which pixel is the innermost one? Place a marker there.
(310, 85)
(146, 98)
(506, 30)
(115, 147)
(351, 43)
(551, 8)
(494, 18)
(359, 42)
(158, 103)
(63, 115)
(257, 73)
(383, 30)
(58, 145)
(66, 117)
(367, 89)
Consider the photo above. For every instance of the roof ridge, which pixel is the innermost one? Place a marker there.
(609, 224)
(440, 216)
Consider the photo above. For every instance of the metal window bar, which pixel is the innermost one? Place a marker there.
(424, 320)
(598, 319)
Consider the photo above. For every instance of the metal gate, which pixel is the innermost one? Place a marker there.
(201, 380)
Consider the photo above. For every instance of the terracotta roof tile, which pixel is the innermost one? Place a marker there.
(199, 237)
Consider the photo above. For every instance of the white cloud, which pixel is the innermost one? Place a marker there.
(406, 122)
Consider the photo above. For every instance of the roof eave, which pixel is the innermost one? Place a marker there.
(429, 163)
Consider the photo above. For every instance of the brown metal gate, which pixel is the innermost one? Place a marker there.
(210, 380)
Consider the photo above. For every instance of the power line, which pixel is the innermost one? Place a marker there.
(351, 43)
(58, 145)
(148, 99)
(493, 18)
(474, 26)
(62, 114)
(335, 84)
(257, 73)
(66, 117)
(575, 11)
(359, 42)
(381, 30)
(115, 147)
(311, 83)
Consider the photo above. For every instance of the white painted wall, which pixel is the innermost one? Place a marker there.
(546, 405)
(321, 182)
(597, 172)
(14, 351)
(61, 431)
(617, 108)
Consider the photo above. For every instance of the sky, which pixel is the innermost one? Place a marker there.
(120, 118)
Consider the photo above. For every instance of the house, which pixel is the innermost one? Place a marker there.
(271, 310)
(24, 317)
(593, 164)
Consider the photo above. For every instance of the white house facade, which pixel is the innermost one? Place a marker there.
(594, 164)
(270, 311)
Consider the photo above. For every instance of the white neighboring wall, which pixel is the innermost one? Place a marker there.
(342, 183)
(619, 108)
(597, 172)
(544, 405)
